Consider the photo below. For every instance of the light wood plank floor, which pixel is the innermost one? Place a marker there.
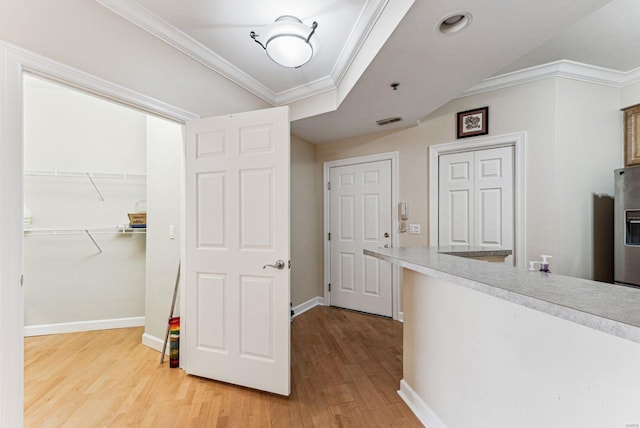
(346, 368)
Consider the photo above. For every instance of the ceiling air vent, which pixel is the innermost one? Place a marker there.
(387, 121)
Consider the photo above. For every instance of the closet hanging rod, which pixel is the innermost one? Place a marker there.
(59, 173)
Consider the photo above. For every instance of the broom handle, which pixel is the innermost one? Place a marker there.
(173, 306)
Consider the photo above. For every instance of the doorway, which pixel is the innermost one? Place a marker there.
(84, 170)
(16, 62)
(498, 185)
(89, 165)
(360, 194)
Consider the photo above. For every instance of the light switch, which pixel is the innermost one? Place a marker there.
(414, 229)
(172, 232)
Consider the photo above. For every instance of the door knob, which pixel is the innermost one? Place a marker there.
(386, 234)
(279, 264)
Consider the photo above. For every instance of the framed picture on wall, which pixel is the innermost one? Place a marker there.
(473, 122)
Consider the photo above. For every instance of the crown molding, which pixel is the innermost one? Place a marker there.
(564, 68)
(633, 76)
(307, 90)
(366, 21)
(148, 21)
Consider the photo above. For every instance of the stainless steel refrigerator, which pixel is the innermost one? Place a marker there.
(627, 226)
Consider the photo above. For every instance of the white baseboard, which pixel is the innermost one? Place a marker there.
(401, 316)
(154, 343)
(309, 304)
(74, 327)
(422, 411)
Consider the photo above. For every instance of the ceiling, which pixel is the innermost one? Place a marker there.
(365, 45)
(223, 26)
(609, 38)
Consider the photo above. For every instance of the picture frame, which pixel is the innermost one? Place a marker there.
(472, 123)
(632, 135)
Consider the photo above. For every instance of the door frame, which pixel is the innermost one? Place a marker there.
(395, 272)
(14, 62)
(515, 140)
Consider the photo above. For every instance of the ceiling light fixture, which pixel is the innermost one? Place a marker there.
(287, 41)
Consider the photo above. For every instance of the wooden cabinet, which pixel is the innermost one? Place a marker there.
(632, 135)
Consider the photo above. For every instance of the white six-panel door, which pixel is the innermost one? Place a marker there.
(360, 217)
(237, 221)
(476, 198)
(456, 194)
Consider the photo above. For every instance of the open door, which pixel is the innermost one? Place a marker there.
(237, 224)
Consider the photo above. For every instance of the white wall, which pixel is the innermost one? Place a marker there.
(630, 95)
(573, 143)
(85, 35)
(165, 161)
(479, 361)
(65, 277)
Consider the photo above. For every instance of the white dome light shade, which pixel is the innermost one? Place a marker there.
(287, 41)
(289, 51)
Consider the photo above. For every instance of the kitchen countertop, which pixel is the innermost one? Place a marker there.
(610, 308)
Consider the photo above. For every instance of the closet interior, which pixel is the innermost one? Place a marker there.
(89, 165)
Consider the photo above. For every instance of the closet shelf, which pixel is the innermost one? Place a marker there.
(86, 174)
(89, 232)
(57, 173)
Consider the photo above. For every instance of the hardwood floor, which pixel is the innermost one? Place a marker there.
(346, 368)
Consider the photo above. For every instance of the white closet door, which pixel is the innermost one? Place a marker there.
(475, 201)
(456, 199)
(494, 197)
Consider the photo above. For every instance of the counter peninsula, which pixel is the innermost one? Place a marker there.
(490, 345)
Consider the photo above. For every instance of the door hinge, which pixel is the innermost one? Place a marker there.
(329, 288)
(289, 264)
(21, 280)
(328, 185)
(329, 236)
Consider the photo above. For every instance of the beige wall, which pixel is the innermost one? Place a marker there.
(412, 171)
(573, 144)
(510, 110)
(588, 148)
(306, 271)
